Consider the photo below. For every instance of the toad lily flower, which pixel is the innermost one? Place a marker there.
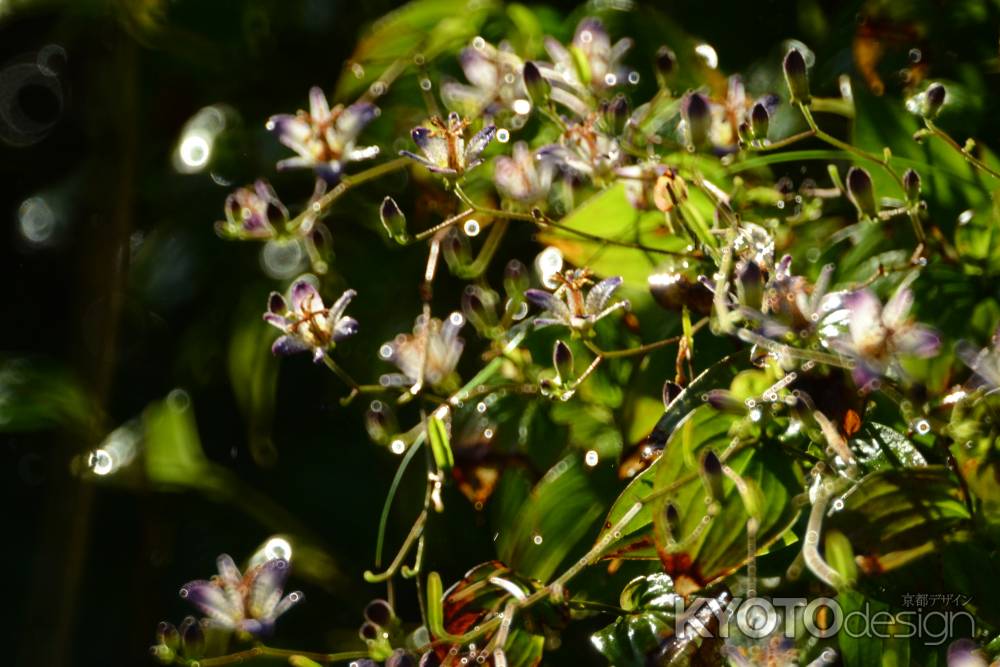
(248, 603)
(523, 178)
(324, 138)
(444, 147)
(598, 66)
(431, 352)
(308, 324)
(252, 213)
(568, 306)
(497, 81)
(584, 150)
(876, 334)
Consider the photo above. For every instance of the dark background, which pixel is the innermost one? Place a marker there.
(133, 295)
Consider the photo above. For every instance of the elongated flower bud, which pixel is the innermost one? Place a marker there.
(617, 114)
(515, 279)
(934, 98)
(562, 360)
(760, 121)
(711, 473)
(750, 285)
(796, 77)
(666, 63)
(698, 118)
(911, 183)
(862, 192)
(538, 88)
(394, 221)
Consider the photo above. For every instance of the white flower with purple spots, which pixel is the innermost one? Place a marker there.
(307, 324)
(496, 79)
(430, 353)
(523, 177)
(324, 138)
(877, 336)
(249, 603)
(568, 306)
(252, 213)
(444, 148)
(597, 66)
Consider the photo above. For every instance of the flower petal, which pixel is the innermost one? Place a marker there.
(211, 600)
(897, 309)
(340, 305)
(346, 326)
(478, 143)
(354, 119)
(265, 587)
(287, 345)
(549, 302)
(599, 294)
(866, 310)
(319, 108)
(919, 341)
(304, 296)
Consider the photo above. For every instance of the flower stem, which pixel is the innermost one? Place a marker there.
(969, 157)
(258, 651)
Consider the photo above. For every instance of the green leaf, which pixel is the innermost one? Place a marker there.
(560, 511)
(631, 638)
(706, 548)
(437, 433)
(424, 27)
(895, 516)
(878, 447)
(862, 650)
(608, 214)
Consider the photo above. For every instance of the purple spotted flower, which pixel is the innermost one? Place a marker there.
(248, 603)
(431, 352)
(324, 138)
(584, 149)
(252, 213)
(568, 306)
(444, 148)
(307, 324)
(877, 335)
(523, 177)
(596, 67)
(496, 82)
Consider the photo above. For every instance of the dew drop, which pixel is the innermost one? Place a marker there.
(471, 227)
(425, 84)
(537, 539)
(591, 458)
(503, 136)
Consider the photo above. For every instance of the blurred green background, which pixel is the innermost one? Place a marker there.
(120, 302)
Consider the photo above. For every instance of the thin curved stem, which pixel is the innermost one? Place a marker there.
(259, 651)
(969, 157)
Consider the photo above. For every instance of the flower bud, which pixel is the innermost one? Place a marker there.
(671, 390)
(456, 250)
(666, 63)
(673, 520)
(167, 635)
(515, 279)
(698, 118)
(911, 183)
(862, 192)
(711, 474)
(192, 638)
(479, 308)
(538, 88)
(760, 120)
(750, 285)
(378, 612)
(394, 221)
(724, 401)
(617, 114)
(562, 360)
(934, 98)
(796, 77)
(401, 658)
(744, 133)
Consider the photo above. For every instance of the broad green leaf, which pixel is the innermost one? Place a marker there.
(895, 516)
(38, 395)
(253, 374)
(608, 214)
(706, 549)
(863, 650)
(651, 603)
(560, 511)
(427, 28)
(878, 447)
